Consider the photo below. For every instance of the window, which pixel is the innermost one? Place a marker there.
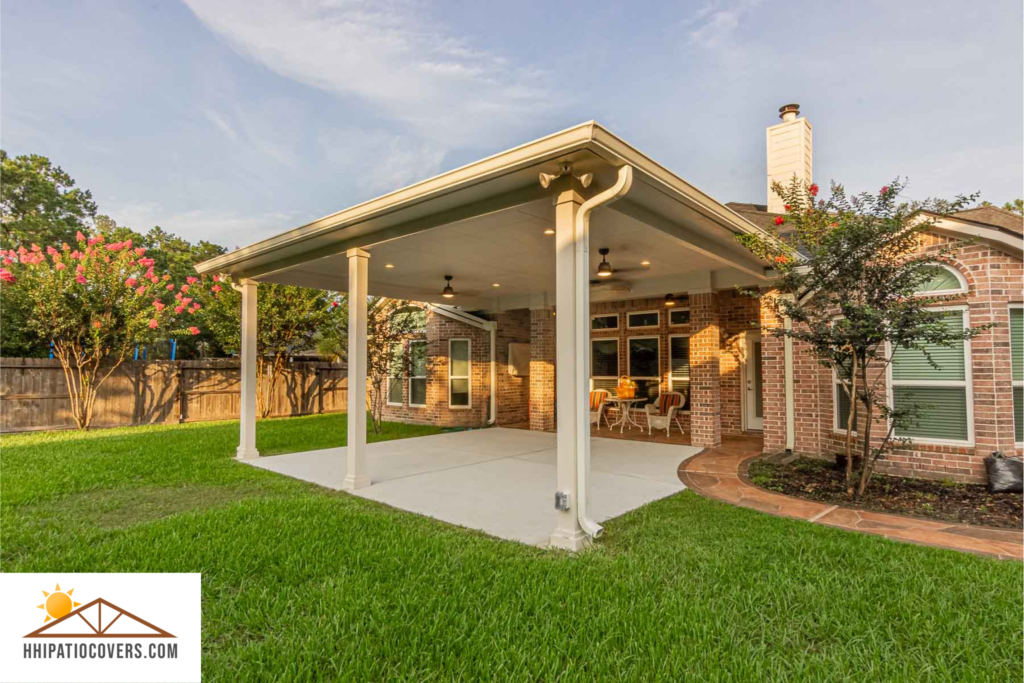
(395, 372)
(679, 316)
(943, 395)
(604, 322)
(1017, 363)
(645, 367)
(944, 280)
(841, 398)
(643, 319)
(679, 367)
(604, 364)
(458, 373)
(418, 373)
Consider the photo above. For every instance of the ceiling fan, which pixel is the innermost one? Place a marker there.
(605, 272)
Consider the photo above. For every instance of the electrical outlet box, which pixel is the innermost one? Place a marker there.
(561, 500)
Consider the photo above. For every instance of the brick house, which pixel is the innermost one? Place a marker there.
(705, 344)
(524, 318)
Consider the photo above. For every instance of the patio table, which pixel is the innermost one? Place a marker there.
(623, 405)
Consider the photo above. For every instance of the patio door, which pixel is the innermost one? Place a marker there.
(754, 396)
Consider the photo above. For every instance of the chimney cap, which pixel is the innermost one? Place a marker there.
(788, 112)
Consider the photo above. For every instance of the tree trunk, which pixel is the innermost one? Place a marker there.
(865, 473)
(851, 422)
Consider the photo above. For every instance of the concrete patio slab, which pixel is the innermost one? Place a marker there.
(500, 481)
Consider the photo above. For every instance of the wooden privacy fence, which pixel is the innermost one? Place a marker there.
(33, 393)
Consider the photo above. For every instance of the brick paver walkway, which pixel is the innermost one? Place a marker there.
(720, 473)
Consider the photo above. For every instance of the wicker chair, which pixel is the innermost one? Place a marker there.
(598, 406)
(664, 412)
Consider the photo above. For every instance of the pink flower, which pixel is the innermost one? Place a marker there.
(334, 304)
(159, 305)
(115, 246)
(813, 189)
(186, 301)
(885, 190)
(170, 288)
(77, 255)
(178, 296)
(6, 276)
(131, 282)
(779, 220)
(191, 280)
(36, 248)
(216, 278)
(97, 324)
(79, 236)
(179, 309)
(52, 252)
(166, 277)
(781, 259)
(153, 324)
(139, 251)
(196, 306)
(65, 247)
(79, 268)
(146, 262)
(60, 266)
(194, 330)
(141, 290)
(184, 288)
(215, 289)
(80, 279)
(92, 240)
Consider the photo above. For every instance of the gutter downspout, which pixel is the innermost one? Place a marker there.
(788, 372)
(582, 315)
(480, 324)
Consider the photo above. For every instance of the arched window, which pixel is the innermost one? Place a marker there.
(943, 280)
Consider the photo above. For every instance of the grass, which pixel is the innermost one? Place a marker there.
(301, 583)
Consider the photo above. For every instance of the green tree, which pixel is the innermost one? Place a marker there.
(39, 203)
(95, 303)
(289, 321)
(854, 300)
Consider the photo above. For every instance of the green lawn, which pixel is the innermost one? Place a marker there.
(302, 583)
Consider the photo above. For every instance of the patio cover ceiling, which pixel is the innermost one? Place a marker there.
(483, 224)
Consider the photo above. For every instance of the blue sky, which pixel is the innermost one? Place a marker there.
(233, 120)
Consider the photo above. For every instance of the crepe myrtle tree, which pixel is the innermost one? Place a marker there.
(94, 302)
(289, 320)
(389, 323)
(853, 301)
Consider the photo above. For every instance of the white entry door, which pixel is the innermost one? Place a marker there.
(754, 399)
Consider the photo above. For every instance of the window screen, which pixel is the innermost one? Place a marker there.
(643, 319)
(604, 358)
(458, 373)
(679, 316)
(605, 322)
(1017, 363)
(418, 373)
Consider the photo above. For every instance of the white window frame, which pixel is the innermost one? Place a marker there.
(836, 388)
(946, 292)
(423, 376)
(1016, 382)
(671, 382)
(629, 362)
(604, 315)
(673, 310)
(967, 383)
(400, 377)
(590, 363)
(643, 327)
(468, 377)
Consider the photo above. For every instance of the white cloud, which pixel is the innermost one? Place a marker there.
(391, 54)
(217, 120)
(228, 228)
(376, 162)
(713, 25)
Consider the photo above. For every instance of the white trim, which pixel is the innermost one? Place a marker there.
(413, 377)
(836, 388)
(673, 310)
(1015, 382)
(593, 376)
(963, 289)
(468, 377)
(604, 315)
(643, 327)
(749, 337)
(967, 383)
(401, 378)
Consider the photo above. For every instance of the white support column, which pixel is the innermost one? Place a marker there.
(356, 475)
(247, 427)
(568, 533)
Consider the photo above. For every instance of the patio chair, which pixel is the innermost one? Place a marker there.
(598, 405)
(664, 412)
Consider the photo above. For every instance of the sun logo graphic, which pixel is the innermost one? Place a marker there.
(66, 618)
(58, 603)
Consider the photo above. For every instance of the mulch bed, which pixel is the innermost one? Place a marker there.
(822, 481)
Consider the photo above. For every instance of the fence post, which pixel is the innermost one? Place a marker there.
(182, 397)
(319, 390)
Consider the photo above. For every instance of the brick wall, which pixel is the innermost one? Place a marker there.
(705, 386)
(542, 369)
(513, 392)
(738, 318)
(994, 280)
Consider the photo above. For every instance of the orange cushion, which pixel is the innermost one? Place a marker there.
(597, 398)
(667, 401)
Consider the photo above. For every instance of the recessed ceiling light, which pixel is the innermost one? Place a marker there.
(389, 265)
(549, 231)
(645, 262)
(495, 285)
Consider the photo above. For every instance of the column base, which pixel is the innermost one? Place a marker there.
(242, 453)
(351, 483)
(573, 541)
